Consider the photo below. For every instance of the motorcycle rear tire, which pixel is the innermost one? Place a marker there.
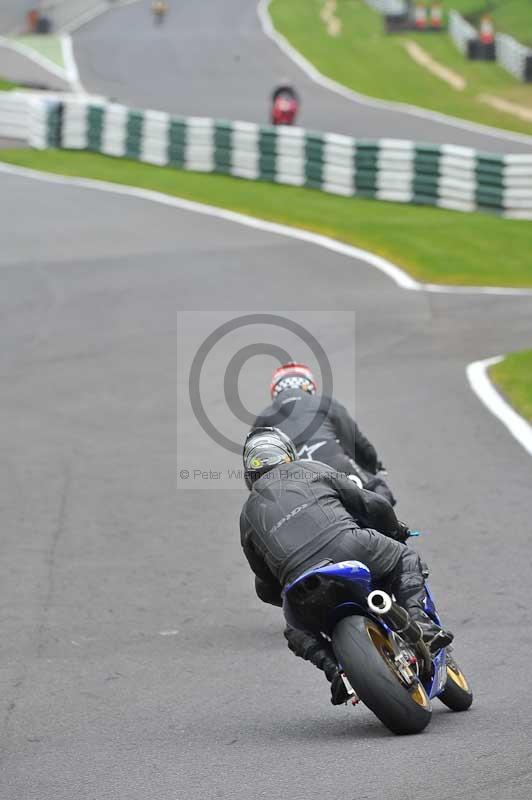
(362, 649)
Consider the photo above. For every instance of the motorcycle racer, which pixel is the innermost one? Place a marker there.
(321, 428)
(300, 513)
(285, 105)
(159, 10)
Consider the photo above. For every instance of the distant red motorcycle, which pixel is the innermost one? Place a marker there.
(285, 106)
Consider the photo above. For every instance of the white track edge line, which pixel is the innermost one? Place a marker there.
(477, 375)
(71, 66)
(328, 83)
(398, 275)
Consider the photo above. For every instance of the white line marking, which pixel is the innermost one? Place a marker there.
(476, 372)
(71, 67)
(168, 633)
(318, 77)
(513, 291)
(398, 275)
(477, 375)
(37, 58)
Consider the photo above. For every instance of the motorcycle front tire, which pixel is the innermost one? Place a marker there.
(457, 694)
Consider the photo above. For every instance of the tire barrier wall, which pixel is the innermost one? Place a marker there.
(446, 176)
(33, 119)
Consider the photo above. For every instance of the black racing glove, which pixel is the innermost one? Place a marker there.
(403, 532)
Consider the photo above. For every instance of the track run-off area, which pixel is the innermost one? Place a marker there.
(137, 661)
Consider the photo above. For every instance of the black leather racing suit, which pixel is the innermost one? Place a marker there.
(302, 513)
(323, 430)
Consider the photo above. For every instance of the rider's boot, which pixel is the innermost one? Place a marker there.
(319, 652)
(410, 591)
(439, 641)
(434, 636)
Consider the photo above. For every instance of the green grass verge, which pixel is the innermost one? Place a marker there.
(6, 86)
(367, 60)
(431, 244)
(514, 377)
(509, 16)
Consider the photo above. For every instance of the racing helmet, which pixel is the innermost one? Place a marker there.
(264, 449)
(292, 376)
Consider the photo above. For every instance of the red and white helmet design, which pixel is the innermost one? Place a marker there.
(292, 376)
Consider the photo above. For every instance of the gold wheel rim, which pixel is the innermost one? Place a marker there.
(419, 695)
(385, 650)
(457, 677)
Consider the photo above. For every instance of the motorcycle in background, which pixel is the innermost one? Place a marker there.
(159, 10)
(285, 105)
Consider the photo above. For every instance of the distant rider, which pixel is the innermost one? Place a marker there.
(284, 105)
(159, 9)
(321, 428)
(300, 513)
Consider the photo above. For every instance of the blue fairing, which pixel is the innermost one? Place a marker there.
(354, 571)
(430, 608)
(320, 597)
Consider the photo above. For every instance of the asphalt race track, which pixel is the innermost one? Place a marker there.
(101, 555)
(12, 15)
(211, 58)
(137, 662)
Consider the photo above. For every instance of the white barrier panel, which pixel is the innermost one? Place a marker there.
(460, 31)
(512, 55)
(14, 115)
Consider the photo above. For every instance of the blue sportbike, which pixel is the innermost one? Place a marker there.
(381, 652)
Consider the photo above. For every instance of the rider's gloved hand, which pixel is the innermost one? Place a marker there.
(403, 532)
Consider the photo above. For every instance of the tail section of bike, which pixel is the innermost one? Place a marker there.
(391, 672)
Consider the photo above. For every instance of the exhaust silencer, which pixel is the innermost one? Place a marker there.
(400, 621)
(396, 617)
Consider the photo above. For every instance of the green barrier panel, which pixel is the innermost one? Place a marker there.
(267, 167)
(95, 122)
(267, 141)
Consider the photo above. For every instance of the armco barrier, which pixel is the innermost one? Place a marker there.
(514, 57)
(387, 169)
(461, 32)
(388, 7)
